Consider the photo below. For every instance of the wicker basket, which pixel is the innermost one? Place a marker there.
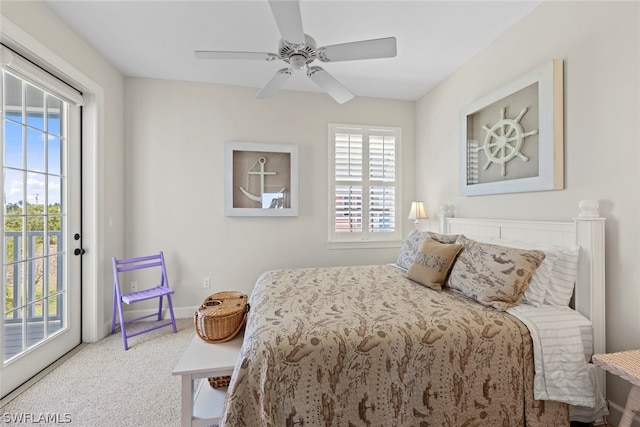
(221, 316)
(219, 382)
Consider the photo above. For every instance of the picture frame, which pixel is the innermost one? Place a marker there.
(512, 139)
(261, 179)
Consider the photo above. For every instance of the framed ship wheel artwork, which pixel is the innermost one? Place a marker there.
(512, 139)
(261, 179)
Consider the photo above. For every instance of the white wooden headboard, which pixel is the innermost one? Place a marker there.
(586, 230)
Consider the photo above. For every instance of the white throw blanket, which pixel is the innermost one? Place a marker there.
(561, 372)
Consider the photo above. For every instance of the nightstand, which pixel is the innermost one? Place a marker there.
(626, 365)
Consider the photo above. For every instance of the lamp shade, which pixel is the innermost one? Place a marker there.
(417, 211)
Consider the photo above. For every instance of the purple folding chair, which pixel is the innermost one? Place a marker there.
(160, 291)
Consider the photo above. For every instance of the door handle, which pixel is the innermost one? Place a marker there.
(79, 251)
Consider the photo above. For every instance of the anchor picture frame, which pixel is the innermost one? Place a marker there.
(512, 139)
(261, 179)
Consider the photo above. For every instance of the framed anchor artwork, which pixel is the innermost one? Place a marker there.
(261, 179)
(512, 139)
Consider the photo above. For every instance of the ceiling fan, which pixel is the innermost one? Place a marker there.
(299, 50)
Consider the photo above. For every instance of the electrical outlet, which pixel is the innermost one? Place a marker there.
(206, 282)
(134, 286)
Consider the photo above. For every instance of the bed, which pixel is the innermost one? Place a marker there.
(368, 346)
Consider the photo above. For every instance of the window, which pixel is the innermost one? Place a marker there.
(363, 185)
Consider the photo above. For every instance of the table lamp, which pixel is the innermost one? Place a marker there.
(417, 212)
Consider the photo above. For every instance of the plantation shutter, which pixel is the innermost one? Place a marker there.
(364, 195)
(348, 178)
(382, 175)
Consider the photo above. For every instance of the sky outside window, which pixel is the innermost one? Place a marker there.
(32, 144)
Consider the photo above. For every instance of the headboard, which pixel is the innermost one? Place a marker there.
(585, 230)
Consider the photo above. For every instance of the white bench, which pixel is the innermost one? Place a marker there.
(201, 406)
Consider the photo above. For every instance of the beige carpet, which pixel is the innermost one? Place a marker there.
(103, 385)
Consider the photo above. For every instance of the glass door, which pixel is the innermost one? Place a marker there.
(41, 216)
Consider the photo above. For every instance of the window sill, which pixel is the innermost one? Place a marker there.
(364, 245)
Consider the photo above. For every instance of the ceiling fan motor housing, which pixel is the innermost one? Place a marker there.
(298, 55)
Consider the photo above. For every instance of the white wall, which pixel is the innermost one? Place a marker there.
(174, 147)
(600, 45)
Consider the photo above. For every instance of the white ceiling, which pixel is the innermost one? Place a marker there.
(156, 39)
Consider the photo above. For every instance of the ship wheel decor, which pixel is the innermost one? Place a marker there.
(504, 141)
(512, 138)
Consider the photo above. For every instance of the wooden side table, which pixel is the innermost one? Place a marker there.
(202, 406)
(626, 365)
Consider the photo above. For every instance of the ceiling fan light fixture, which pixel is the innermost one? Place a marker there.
(297, 62)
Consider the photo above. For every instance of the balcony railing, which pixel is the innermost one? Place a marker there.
(23, 331)
(33, 261)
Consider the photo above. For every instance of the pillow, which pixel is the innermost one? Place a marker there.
(412, 243)
(432, 263)
(554, 280)
(563, 277)
(537, 289)
(493, 275)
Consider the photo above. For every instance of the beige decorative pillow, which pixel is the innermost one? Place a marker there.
(413, 242)
(432, 263)
(493, 275)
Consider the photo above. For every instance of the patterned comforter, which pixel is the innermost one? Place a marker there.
(364, 346)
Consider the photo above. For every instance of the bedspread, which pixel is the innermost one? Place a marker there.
(364, 346)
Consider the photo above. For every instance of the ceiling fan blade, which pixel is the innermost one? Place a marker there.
(329, 84)
(218, 54)
(289, 20)
(274, 84)
(365, 49)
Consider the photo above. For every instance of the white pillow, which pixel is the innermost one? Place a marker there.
(563, 277)
(535, 293)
